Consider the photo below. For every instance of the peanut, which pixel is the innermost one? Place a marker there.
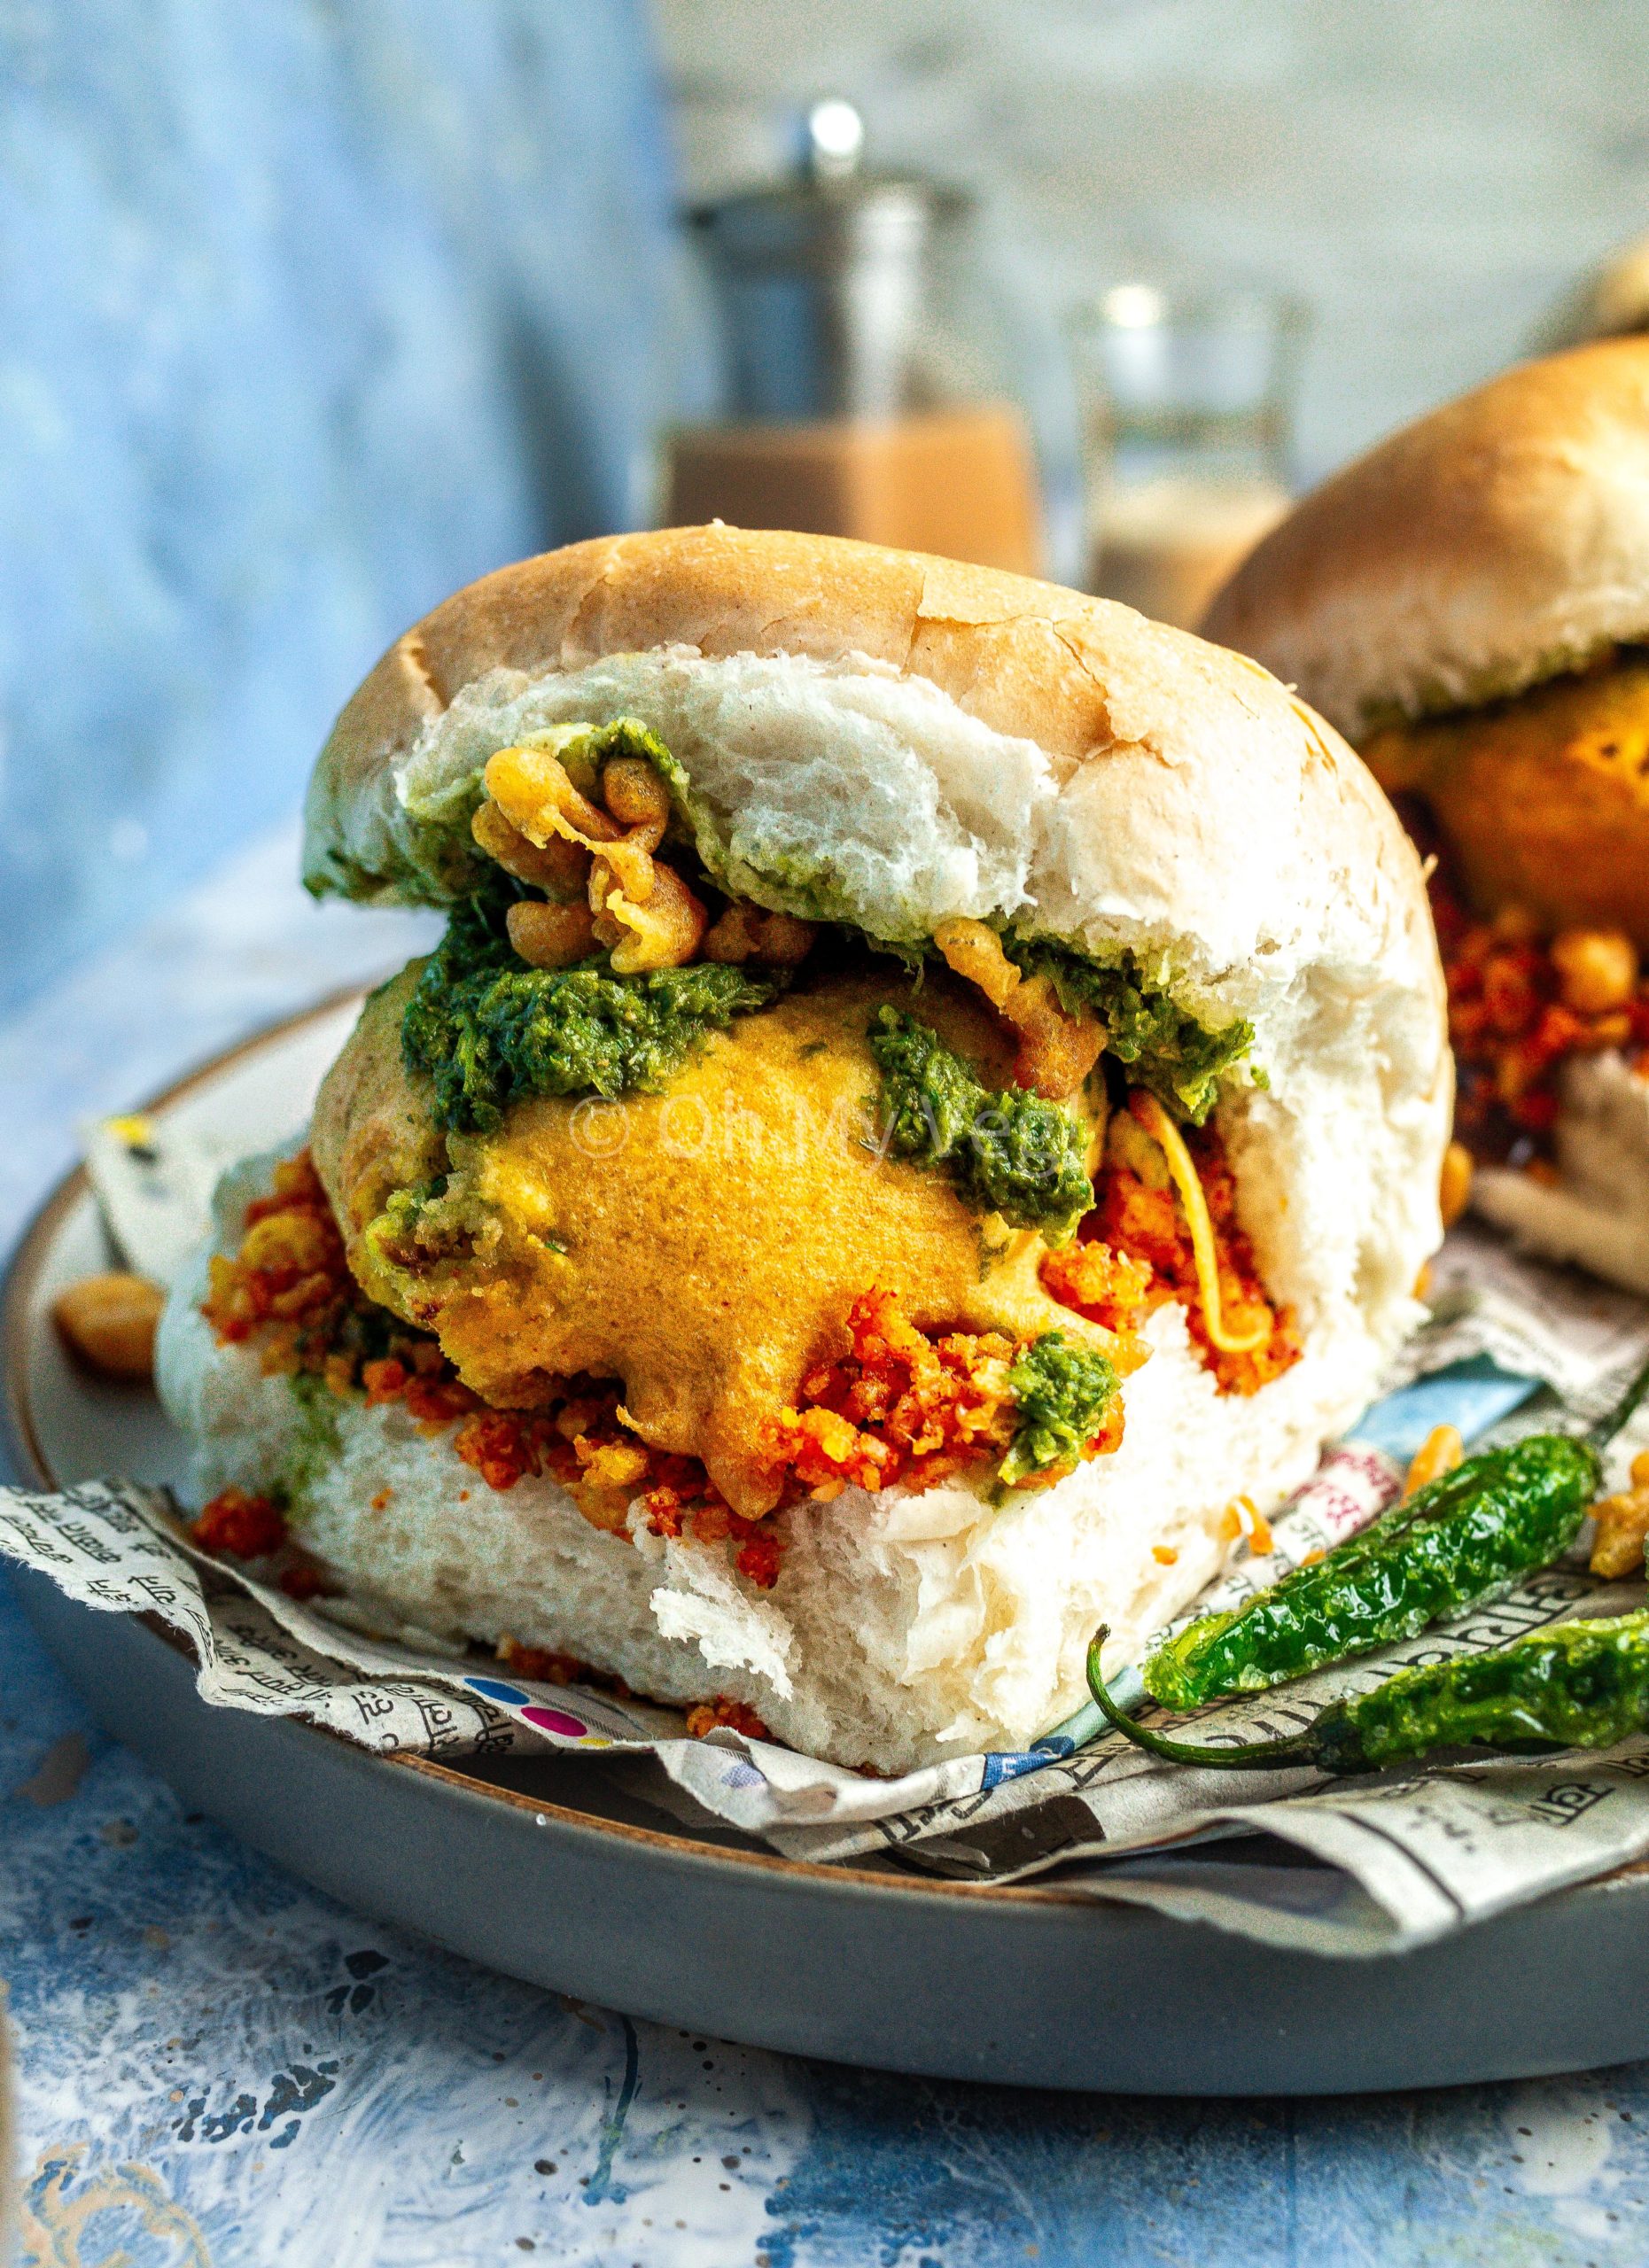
(1455, 1188)
(734, 937)
(108, 1323)
(784, 940)
(1622, 1523)
(747, 933)
(1597, 969)
(635, 793)
(1515, 925)
(550, 937)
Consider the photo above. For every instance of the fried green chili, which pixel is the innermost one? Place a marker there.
(1579, 1685)
(1466, 1537)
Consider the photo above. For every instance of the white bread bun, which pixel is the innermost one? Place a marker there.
(1500, 540)
(1611, 302)
(916, 740)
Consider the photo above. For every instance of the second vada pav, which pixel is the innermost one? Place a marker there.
(1469, 603)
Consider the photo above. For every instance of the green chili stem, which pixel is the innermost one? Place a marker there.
(1255, 1756)
(1606, 1427)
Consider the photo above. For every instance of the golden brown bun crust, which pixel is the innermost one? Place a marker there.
(1494, 543)
(1077, 675)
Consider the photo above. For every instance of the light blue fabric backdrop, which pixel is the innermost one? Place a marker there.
(309, 311)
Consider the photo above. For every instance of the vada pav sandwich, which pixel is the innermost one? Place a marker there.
(926, 1113)
(1470, 605)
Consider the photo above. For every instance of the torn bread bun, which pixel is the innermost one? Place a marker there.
(884, 742)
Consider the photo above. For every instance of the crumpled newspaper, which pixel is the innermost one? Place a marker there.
(1348, 1866)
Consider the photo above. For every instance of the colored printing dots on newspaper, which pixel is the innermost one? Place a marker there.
(557, 1722)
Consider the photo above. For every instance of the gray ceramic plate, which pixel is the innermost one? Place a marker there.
(546, 1870)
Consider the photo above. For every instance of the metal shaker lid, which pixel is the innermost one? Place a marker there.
(832, 211)
(825, 279)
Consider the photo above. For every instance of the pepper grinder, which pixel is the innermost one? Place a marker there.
(861, 392)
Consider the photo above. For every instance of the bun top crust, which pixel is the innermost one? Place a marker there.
(1495, 542)
(1225, 788)
(1075, 674)
(1080, 677)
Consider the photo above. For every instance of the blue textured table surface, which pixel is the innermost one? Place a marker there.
(219, 2066)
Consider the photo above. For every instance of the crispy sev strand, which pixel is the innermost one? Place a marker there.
(1439, 1453)
(1057, 1050)
(1183, 1172)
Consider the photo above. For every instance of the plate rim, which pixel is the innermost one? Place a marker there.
(22, 1449)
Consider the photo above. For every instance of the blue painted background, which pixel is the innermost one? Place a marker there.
(308, 313)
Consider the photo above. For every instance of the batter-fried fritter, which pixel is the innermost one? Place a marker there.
(1542, 799)
(701, 1245)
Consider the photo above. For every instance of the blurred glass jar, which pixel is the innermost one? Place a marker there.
(1186, 401)
(866, 385)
